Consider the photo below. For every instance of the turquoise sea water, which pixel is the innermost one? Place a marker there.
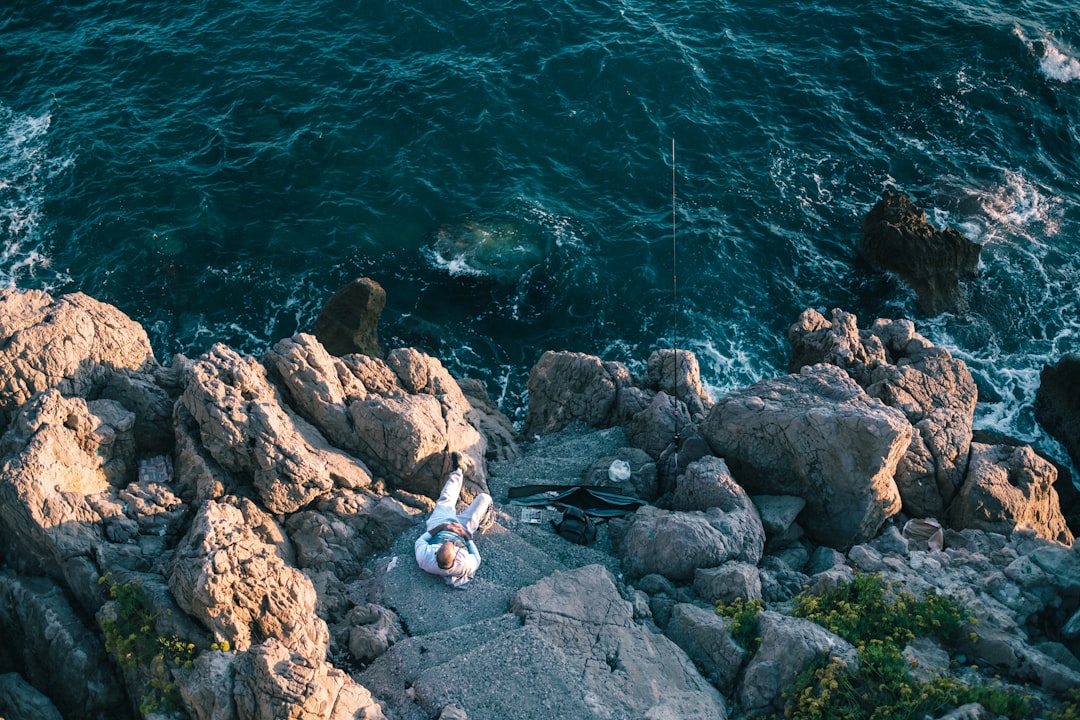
(504, 170)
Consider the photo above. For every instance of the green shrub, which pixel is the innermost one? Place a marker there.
(742, 620)
(880, 620)
(131, 638)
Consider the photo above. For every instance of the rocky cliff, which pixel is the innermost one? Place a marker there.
(230, 537)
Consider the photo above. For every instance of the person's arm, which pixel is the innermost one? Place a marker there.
(425, 554)
(473, 551)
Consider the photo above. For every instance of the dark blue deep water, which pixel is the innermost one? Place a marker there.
(217, 168)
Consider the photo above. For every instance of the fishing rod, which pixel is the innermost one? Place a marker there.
(674, 312)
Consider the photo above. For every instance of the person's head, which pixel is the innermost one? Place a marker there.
(445, 555)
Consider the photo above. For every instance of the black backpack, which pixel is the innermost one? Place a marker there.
(576, 526)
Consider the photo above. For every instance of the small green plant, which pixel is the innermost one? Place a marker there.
(880, 620)
(742, 620)
(131, 638)
(1070, 710)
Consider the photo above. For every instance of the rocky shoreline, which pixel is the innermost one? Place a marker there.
(231, 537)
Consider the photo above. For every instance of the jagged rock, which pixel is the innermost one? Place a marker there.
(675, 544)
(778, 512)
(54, 650)
(72, 343)
(568, 386)
(273, 683)
(708, 483)
(233, 572)
(895, 364)
(818, 436)
(57, 494)
(19, 700)
(349, 321)
(342, 530)
(838, 342)
(728, 582)
(403, 415)
(653, 428)
(373, 629)
(704, 636)
(246, 426)
(661, 372)
(207, 689)
(1008, 488)
(499, 433)
(636, 672)
(787, 645)
(1057, 409)
(896, 237)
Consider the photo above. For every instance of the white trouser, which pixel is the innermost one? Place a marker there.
(446, 505)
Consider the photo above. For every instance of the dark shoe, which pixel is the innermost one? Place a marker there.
(455, 462)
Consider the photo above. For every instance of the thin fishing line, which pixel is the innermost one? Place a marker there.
(674, 309)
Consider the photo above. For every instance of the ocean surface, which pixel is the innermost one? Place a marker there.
(605, 176)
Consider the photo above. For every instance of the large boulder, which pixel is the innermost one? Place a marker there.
(815, 435)
(621, 668)
(1057, 403)
(787, 645)
(896, 237)
(705, 636)
(46, 640)
(900, 367)
(274, 683)
(234, 572)
(403, 415)
(569, 386)
(349, 321)
(72, 343)
(1010, 488)
(677, 373)
(64, 462)
(247, 427)
(676, 544)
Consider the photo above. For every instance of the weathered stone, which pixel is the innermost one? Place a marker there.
(73, 343)
(679, 376)
(778, 512)
(788, 644)
(1010, 488)
(676, 544)
(349, 321)
(233, 572)
(373, 629)
(818, 436)
(896, 237)
(19, 700)
(64, 457)
(273, 683)
(704, 636)
(53, 649)
(569, 386)
(247, 428)
(732, 580)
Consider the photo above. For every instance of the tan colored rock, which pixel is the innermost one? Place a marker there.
(403, 416)
(247, 427)
(63, 458)
(272, 683)
(234, 573)
(73, 343)
(818, 436)
(1010, 488)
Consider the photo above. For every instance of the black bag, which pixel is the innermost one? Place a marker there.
(576, 526)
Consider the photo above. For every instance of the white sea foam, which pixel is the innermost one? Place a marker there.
(25, 172)
(1057, 60)
(1057, 64)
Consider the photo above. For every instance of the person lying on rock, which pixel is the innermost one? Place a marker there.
(447, 548)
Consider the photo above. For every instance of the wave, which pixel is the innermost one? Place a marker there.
(26, 171)
(1057, 61)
